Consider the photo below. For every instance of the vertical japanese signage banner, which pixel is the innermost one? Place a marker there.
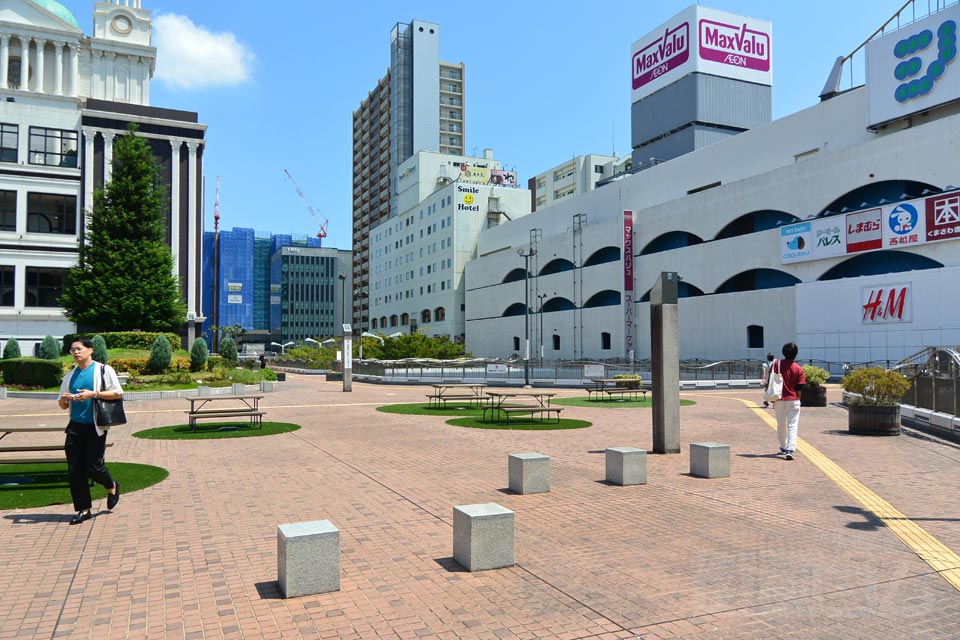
(864, 232)
(628, 281)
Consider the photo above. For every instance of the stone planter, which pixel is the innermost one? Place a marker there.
(281, 376)
(334, 376)
(813, 396)
(628, 383)
(873, 420)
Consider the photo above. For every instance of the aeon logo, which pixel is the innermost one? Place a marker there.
(735, 45)
(911, 66)
(667, 52)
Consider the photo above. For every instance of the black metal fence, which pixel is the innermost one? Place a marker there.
(937, 393)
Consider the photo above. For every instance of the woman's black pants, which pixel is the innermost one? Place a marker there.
(85, 451)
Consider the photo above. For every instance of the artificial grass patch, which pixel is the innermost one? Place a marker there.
(421, 409)
(520, 424)
(36, 485)
(583, 401)
(211, 430)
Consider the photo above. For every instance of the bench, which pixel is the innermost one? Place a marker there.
(34, 448)
(256, 417)
(507, 411)
(625, 391)
(434, 400)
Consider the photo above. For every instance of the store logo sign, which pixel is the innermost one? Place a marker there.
(667, 52)
(908, 70)
(890, 303)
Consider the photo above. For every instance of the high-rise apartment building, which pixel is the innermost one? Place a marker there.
(417, 106)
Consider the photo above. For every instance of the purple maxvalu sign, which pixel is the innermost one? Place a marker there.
(628, 281)
(736, 45)
(667, 52)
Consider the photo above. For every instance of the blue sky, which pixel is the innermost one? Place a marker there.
(544, 82)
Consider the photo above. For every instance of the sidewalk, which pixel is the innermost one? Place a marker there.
(778, 550)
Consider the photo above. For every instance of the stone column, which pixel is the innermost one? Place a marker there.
(665, 348)
(58, 72)
(107, 155)
(175, 145)
(193, 270)
(74, 69)
(4, 59)
(38, 73)
(88, 137)
(24, 62)
(109, 73)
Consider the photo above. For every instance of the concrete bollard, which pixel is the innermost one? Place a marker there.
(483, 536)
(626, 465)
(308, 558)
(710, 460)
(529, 473)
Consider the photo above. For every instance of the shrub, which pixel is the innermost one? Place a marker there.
(198, 355)
(126, 339)
(214, 362)
(228, 351)
(875, 386)
(268, 374)
(49, 350)
(160, 355)
(133, 366)
(11, 349)
(100, 348)
(629, 380)
(815, 375)
(31, 372)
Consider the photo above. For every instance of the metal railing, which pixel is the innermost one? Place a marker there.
(934, 374)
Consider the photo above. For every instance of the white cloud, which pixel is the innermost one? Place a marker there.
(192, 57)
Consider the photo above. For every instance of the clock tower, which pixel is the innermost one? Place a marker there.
(122, 21)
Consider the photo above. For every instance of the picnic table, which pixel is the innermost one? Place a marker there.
(32, 448)
(609, 387)
(243, 406)
(503, 404)
(457, 392)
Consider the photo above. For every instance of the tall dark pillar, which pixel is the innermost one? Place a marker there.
(665, 347)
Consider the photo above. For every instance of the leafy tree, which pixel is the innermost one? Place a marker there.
(49, 348)
(416, 345)
(124, 279)
(11, 349)
(198, 355)
(228, 350)
(160, 355)
(99, 349)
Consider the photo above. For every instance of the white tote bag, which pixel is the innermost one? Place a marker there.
(774, 384)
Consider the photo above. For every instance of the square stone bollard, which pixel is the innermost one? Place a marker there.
(267, 386)
(308, 558)
(710, 460)
(204, 391)
(529, 473)
(626, 465)
(483, 536)
(239, 389)
(3, 393)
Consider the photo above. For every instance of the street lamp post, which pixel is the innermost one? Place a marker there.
(526, 312)
(343, 299)
(368, 335)
(316, 342)
(283, 347)
(540, 298)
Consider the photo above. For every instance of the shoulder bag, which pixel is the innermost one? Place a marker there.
(774, 383)
(108, 412)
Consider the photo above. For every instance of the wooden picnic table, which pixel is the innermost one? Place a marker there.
(243, 406)
(455, 391)
(610, 387)
(32, 448)
(501, 408)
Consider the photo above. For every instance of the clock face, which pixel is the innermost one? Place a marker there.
(121, 24)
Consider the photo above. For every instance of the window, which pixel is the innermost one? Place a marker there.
(605, 340)
(754, 336)
(9, 140)
(7, 286)
(598, 168)
(556, 342)
(44, 287)
(8, 210)
(425, 316)
(516, 343)
(51, 213)
(53, 147)
(440, 314)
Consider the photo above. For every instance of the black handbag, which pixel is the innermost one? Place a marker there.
(108, 412)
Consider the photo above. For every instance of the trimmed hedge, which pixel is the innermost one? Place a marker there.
(32, 372)
(126, 339)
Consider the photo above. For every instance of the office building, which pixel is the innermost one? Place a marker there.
(574, 178)
(417, 106)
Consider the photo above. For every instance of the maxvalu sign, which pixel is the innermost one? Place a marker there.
(703, 40)
(914, 68)
(892, 226)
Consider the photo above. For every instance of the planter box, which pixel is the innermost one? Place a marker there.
(333, 376)
(813, 396)
(873, 420)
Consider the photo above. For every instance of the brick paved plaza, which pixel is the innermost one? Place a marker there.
(778, 550)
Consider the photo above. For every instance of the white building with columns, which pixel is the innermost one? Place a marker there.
(64, 97)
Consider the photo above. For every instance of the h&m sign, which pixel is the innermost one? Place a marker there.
(887, 303)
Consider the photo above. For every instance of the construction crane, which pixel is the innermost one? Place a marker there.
(321, 220)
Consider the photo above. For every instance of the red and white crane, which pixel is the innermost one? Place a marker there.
(321, 220)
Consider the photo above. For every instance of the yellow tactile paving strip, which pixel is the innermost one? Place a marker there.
(932, 551)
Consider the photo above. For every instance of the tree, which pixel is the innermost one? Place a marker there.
(416, 345)
(161, 354)
(228, 350)
(198, 355)
(99, 349)
(124, 279)
(11, 349)
(49, 349)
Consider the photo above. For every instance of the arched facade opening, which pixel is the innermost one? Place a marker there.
(879, 193)
(439, 314)
(879, 262)
(558, 304)
(425, 316)
(557, 265)
(756, 279)
(516, 309)
(603, 256)
(756, 221)
(606, 298)
(515, 275)
(404, 319)
(669, 241)
(393, 320)
(373, 324)
(684, 290)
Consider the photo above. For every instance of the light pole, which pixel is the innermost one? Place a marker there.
(368, 335)
(343, 299)
(526, 312)
(316, 342)
(540, 298)
(283, 347)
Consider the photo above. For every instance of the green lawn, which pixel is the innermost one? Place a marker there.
(23, 486)
(211, 430)
(422, 409)
(519, 424)
(618, 403)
